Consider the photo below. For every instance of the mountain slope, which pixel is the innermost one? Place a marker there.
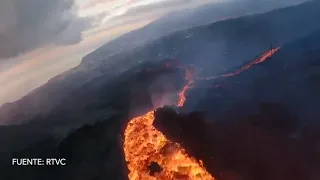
(215, 47)
(290, 78)
(184, 19)
(226, 44)
(239, 137)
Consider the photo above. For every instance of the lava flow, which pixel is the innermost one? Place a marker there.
(145, 146)
(259, 60)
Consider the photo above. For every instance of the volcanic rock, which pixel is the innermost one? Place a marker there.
(234, 150)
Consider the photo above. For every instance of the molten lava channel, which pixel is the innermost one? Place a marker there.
(144, 144)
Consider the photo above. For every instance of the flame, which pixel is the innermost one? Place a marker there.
(144, 144)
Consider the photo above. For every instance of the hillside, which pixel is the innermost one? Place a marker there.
(184, 19)
(250, 114)
(218, 47)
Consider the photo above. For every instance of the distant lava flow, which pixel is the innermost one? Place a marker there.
(151, 156)
(259, 60)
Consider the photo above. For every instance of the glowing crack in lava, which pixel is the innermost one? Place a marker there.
(144, 145)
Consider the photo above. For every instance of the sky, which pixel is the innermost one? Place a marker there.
(43, 38)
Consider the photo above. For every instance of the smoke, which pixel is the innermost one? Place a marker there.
(27, 25)
(163, 92)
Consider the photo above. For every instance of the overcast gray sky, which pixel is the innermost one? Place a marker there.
(42, 38)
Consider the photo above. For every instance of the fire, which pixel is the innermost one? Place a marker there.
(144, 145)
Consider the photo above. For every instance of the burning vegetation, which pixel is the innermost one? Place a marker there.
(150, 155)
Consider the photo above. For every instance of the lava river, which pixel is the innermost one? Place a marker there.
(144, 145)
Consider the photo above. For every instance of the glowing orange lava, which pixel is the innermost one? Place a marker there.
(190, 75)
(145, 145)
(259, 60)
(182, 94)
